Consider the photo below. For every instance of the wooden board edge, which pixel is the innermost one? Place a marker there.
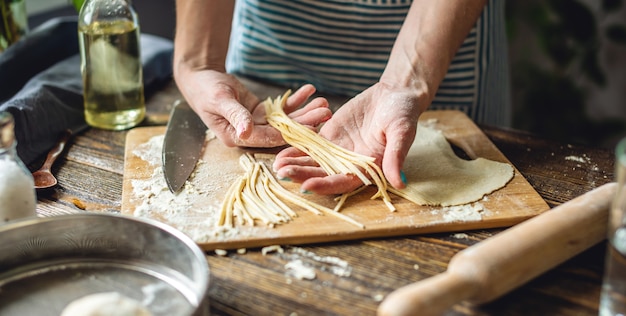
(352, 236)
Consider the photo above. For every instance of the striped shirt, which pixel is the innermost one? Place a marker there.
(342, 47)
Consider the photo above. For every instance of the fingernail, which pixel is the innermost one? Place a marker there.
(241, 127)
(305, 192)
(402, 177)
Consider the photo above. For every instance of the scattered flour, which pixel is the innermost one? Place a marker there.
(303, 264)
(273, 248)
(300, 270)
(460, 236)
(461, 213)
(378, 297)
(194, 210)
(583, 159)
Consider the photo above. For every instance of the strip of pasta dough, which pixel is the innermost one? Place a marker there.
(257, 195)
(332, 158)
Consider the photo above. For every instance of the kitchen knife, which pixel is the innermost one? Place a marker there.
(182, 146)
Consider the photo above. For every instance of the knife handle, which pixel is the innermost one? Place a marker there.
(492, 268)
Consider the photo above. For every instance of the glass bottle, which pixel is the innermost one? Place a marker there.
(17, 187)
(13, 22)
(111, 64)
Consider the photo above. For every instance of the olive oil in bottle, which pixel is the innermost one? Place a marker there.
(111, 64)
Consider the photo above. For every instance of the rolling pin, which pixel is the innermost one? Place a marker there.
(492, 268)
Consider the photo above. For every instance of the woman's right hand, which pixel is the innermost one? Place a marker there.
(237, 116)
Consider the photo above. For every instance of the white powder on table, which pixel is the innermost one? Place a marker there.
(193, 210)
(303, 264)
(460, 236)
(461, 213)
(300, 270)
(272, 248)
(577, 159)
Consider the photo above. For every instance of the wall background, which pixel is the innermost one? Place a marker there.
(568, 62)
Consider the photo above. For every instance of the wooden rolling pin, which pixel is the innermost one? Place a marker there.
(491, 268)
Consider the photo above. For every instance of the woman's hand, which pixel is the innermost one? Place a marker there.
(225, 105)
(380, 122)
(237, 116)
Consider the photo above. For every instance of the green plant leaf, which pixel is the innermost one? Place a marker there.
(77, 4)
(616, 33)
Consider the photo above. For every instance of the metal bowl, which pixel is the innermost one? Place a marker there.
(46, 263)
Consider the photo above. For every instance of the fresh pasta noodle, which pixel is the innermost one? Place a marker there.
(331, 157)
(258, 196)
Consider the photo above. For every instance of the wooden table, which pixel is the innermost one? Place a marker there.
(90, 179)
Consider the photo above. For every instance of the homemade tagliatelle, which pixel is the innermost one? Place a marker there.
(331, 157)
(257, 195)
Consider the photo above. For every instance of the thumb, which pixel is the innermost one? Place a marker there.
(399, 141)
(239, 118)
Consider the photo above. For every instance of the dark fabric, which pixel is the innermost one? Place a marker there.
(41, 83)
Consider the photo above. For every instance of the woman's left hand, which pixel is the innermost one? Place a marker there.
(380, 122)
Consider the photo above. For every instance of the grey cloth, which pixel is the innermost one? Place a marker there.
(41, 83)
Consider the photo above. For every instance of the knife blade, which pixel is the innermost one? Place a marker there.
(182, 145)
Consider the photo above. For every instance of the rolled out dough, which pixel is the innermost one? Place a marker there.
(437, 176)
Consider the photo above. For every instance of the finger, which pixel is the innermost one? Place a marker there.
(314, 104)
(399, 141)
(263, 136)
(296, 161)
(222, 130)
(299, 97)
(314, 113)
(288, 152)
(299, 174)
(333, 184)
(314, 118)
(285, 156)
(238, 116)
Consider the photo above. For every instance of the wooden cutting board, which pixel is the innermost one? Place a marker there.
(194, 211)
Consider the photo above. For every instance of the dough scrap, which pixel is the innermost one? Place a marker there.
(436, 176)
(105, 304)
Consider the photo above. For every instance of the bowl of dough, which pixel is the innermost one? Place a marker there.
(100, 264)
